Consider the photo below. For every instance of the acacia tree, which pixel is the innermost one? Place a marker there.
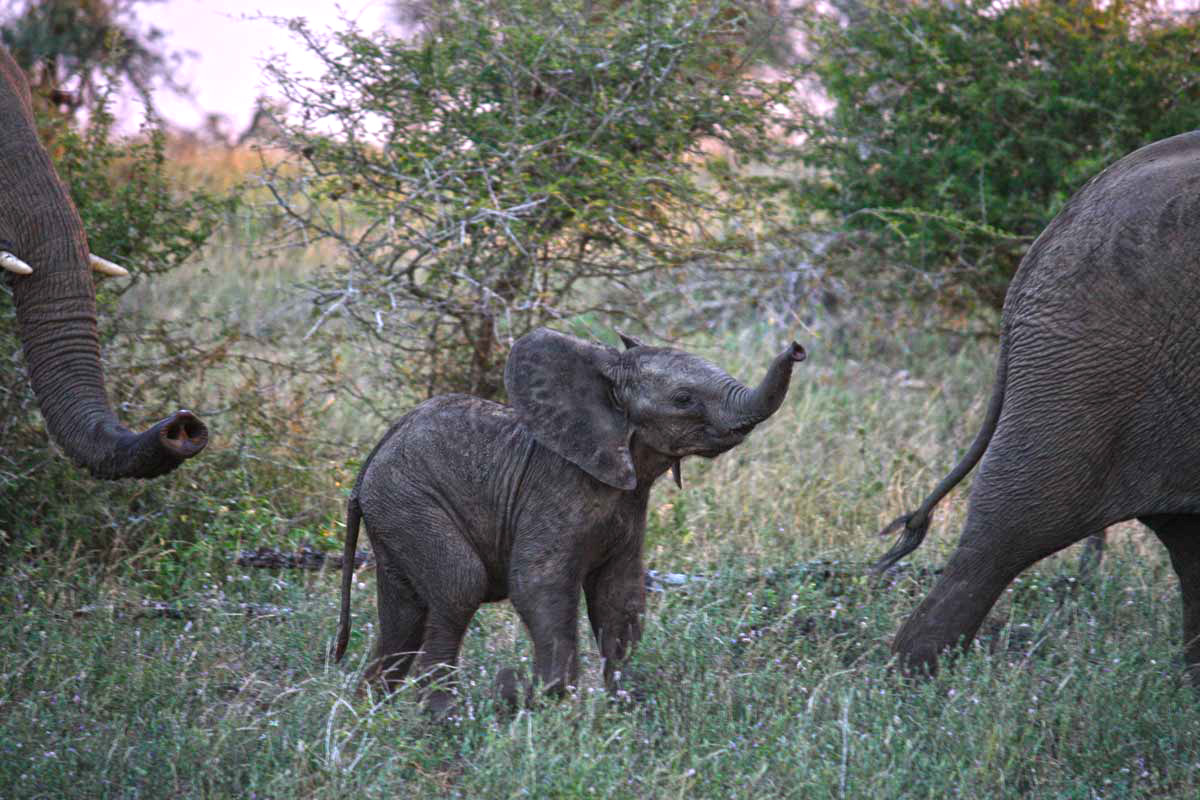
(516, 163)
(959, 129)
(67, 48)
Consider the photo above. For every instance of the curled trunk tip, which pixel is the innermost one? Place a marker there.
(755, 405)
(125, 454)
(183, 434)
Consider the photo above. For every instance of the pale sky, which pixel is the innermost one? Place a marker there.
(226, 73)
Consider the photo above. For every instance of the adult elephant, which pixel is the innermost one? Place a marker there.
(43, 245)
(1095, 413)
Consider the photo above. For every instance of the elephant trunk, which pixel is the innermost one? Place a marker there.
(749, 407)
(56, 318)
(56, 314)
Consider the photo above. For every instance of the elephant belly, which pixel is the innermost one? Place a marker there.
(1096, 427)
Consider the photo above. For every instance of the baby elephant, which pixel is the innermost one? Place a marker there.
(468, 501)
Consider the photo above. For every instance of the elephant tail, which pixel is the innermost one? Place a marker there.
(350, 550)
(914, 525)
(353, 518)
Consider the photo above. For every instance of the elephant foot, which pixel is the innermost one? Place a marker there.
(442, 705)
(625, 688)
(1091, 557)
(511, 691)
(918, 658)
(383, 679)
(1191, 676)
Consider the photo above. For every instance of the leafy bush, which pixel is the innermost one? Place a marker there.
(133, 211)
(960, 129)
(516, 163)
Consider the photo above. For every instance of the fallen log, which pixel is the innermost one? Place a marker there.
(153, 609)
(306, 557)
(817, 570)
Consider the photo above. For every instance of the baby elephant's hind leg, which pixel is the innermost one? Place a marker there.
(447, 573)
(402, 617)
(439, 654)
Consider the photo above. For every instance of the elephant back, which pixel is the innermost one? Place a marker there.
(1125, 241)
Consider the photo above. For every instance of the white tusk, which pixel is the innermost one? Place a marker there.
(13, 264)
(107, 267)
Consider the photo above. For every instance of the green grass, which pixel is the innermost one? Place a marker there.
(769, 679)
(746, 686)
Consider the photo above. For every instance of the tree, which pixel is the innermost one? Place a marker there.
(959, 129)
(66, 47)
(515, 164)
(763, 26)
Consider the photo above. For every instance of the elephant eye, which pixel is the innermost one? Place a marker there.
(682, 399)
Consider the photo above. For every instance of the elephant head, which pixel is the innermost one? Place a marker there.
(587, 403)
(43, 244)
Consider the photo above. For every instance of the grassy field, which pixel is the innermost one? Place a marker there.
(768, 678)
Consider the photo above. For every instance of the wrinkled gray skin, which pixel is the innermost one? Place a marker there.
(56, 309)
(1094, 416)
(467, 501)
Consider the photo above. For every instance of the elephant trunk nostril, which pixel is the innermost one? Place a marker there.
(184, 434)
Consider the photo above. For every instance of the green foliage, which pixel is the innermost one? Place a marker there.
(746, 687)
(518, 163)
(132, 210)
(769, 678)
(960, 129)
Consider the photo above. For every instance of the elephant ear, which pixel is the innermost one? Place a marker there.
(560, 388)
(629, 341)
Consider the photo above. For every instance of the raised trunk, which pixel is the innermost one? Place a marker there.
(749, 407)
(56, 310)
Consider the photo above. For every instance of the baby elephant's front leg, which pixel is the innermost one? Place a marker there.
(550, 610)
(616, 600)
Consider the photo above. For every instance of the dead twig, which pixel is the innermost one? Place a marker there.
(153, 609)
(305, 558)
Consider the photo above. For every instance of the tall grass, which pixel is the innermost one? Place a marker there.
(746, 686)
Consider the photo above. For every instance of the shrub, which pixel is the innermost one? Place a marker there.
(960, 129)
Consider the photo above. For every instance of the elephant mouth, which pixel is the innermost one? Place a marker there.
(709, 443)
(726, 444)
